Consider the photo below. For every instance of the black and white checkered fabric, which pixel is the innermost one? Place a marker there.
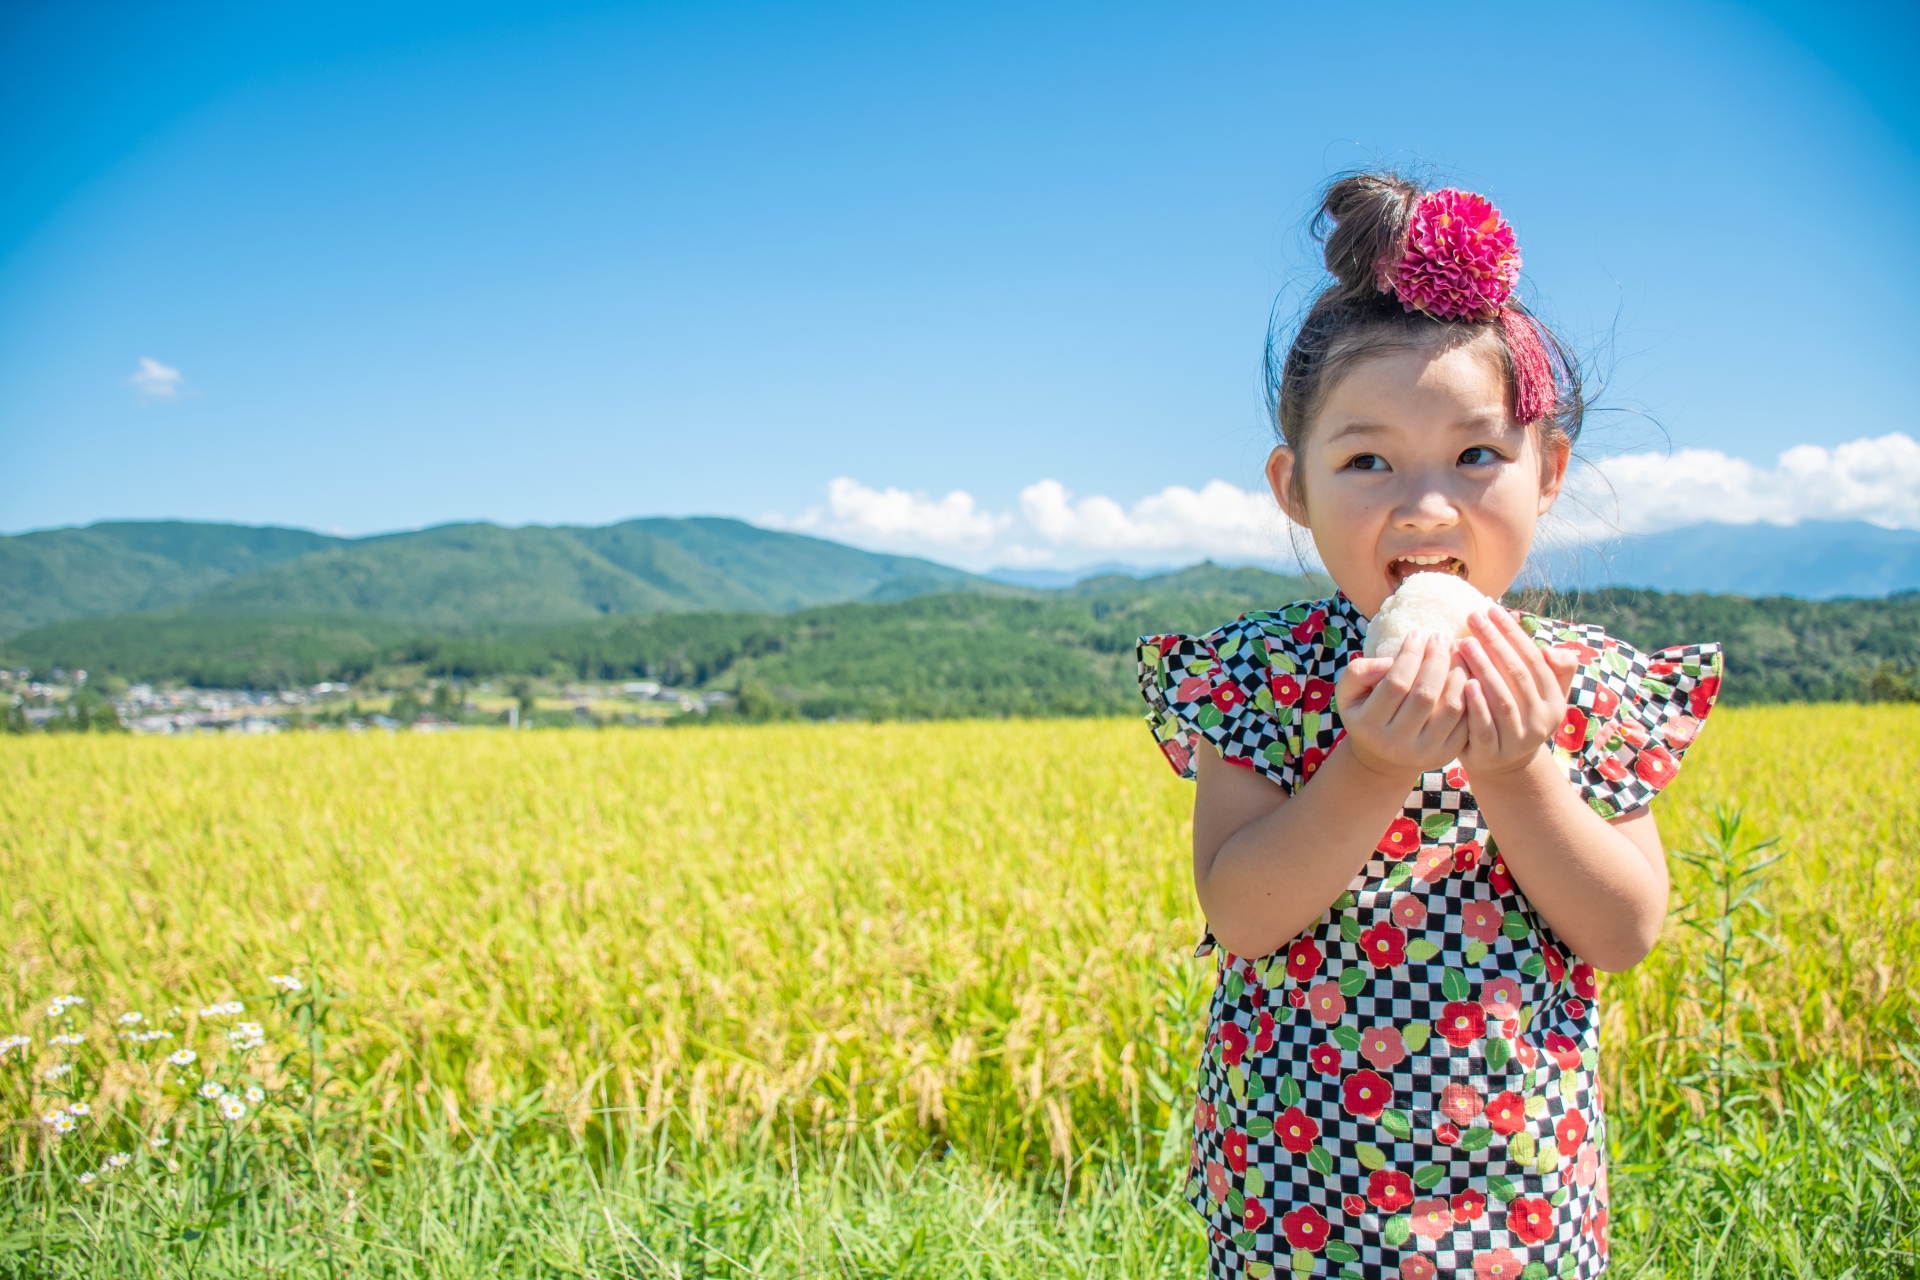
(1409, 1089)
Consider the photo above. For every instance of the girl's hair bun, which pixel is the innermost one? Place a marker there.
(1362, 225)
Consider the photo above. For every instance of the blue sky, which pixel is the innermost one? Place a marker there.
(398, 264)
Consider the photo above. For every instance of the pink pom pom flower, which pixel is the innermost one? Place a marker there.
(1461, 260)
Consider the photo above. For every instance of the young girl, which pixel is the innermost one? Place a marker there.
(1400, 1069)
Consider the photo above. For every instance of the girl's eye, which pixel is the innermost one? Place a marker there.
(1368, 462)
(1478, 455)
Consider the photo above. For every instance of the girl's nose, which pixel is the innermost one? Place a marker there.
(1427, 506)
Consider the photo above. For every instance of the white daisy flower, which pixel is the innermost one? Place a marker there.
(182, 1057)
(211, 1089)
(55, 1009)
(53, 1118)
(71, 1037)
(119, 1160)
(131, 1019)
(54, 1073)
(14, 1042)
(86, 1179)
(232, 1108)
(159, 1140)
(212, 1010)
(79, 1109)
(63, 1124)
(285, 981)
(256, 1095)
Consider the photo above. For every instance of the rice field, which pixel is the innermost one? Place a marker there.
(758, 943)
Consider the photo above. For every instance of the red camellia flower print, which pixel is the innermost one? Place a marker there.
(1526, 1055)
(1305, 631)
(1700, 701)
(1586, 1166)
(1632, 732)
(1204, 1116)
(1409, 912)
(1305, 1228)
(1228, 696)
(1466, 856)
(1497, 1264)
(1655, 766)
(1318, 695)
(1310, 761)
(1461, 1023)
(1216, 1180)
(1611, 769)
(1597, 1227)
(1461, 1103)
(1383, 1046)
(1286, 689)
(1353, 1206)
(1681, 731)
(1384, 946)
(1555, 962)
(1256, 1215)
(1177, 756)
(1233, 1043)
(1570, 1130)
(1572, 733)
(1365, 1093)
(1433, 863)
(1389, 1190)
(1263, 1038)
(1297, 998)
(1192, 689)
(1564, 1052)
(1167, 644)
(1446, 1133)
(1303, 960)
(1585, 652)
(1605, 702)
(1585, 984)
(1431, 1218)
(1501, 996)
(1530, 1219)
(1468, 1206)
(1297, 1132)
(1481, 921)
(1325, 1059)
(1234, 1147)
(1507, 1113)
(1325, 1002)
(1417, 1266)
(1402, 838)
(1500, 878)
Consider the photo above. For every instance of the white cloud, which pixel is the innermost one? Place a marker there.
(156, 381)
(1876, 480)
(1054, 529)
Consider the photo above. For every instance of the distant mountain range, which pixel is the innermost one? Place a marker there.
(453, 576)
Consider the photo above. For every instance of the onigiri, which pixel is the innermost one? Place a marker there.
(1436, 602)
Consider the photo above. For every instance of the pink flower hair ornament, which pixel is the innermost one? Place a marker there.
(1461, 262)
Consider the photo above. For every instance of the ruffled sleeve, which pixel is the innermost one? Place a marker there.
(1218, 688)
(1631, 716)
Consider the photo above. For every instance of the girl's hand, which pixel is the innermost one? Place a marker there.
(1516, 698)
(1406, 714)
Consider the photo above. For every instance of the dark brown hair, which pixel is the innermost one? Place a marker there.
(1362, 228)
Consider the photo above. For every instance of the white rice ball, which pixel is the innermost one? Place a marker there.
(1436, 602)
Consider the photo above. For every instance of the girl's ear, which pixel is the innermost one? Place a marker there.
(1553, 469)
(1280, 464)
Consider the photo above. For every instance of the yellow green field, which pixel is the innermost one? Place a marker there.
(977, 930)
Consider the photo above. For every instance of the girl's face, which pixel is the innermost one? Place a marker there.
(1415, 464)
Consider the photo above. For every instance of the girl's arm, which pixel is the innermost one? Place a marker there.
(1267, 866)
(1601, 885)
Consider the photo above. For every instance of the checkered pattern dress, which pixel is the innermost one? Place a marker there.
(1409, 1089)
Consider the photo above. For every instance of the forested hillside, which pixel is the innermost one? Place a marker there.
(954, 653)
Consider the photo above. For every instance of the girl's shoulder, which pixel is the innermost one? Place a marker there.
(1631, 715)
(1249, 686)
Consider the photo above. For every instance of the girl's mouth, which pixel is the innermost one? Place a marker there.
(1403, 567)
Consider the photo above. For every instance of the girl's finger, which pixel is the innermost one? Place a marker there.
(1544, 682)
(1502, 703)
(1429, 682)
(1482, 732)
(1514, 669)
(1390, 694)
